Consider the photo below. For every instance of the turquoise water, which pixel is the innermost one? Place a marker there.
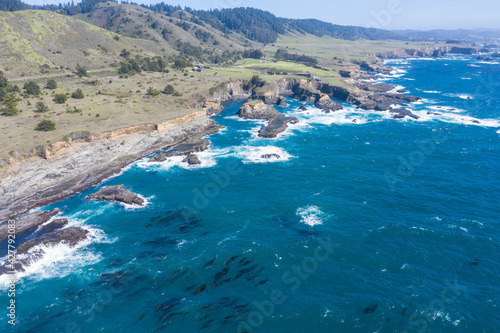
(377, 225)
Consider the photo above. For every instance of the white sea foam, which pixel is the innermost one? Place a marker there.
(61, 259)
(313, 115)
(444, 109)
(431, 91)
(461, 96)
(255, 154)
(396, 89)
(208, 159)
(311, 215)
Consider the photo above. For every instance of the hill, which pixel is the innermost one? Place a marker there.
(42, 42)
(176, 32)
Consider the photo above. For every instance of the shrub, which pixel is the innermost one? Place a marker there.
(45, 126)
(78, 94)
(153, 92)
(81, 70)
(41, 107)
(51, 84)
(74, 110)
(32, 88)
(60, 98)
(169, 89)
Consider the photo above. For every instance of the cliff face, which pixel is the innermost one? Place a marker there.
(430, 51)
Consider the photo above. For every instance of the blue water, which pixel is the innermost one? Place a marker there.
(377, 225)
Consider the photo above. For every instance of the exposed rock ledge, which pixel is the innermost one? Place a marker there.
(30, 233)
(117, 193)
(36, 182)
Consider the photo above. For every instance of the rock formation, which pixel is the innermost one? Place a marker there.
(117, 193)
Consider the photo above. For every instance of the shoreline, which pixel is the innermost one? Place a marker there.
(102, 162)
(37, 182)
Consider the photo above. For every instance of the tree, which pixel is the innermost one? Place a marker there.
(41, 107)
(60, 98)
(255, 80)
(153, 92)
(169, 89)
(180, 64)
(78, 94)
(10, 108)
(51, 84)
(45, 126)
(32, 88)
(81, 70)
(125, 53)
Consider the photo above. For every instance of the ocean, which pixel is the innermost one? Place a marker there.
(356, 222)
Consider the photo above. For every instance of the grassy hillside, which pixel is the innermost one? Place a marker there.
(41, 42)
(171, 32)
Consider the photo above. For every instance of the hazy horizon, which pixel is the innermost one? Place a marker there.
(382, 14)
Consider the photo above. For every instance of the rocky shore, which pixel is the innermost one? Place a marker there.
(35, 230)
(70, 167)
(85, 163)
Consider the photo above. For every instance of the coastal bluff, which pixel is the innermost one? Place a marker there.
(87, 161)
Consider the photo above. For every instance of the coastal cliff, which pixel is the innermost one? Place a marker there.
(430, 51)
(86, 162)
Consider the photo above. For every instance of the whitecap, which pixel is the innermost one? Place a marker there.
(311, 215)
(60, 260)
(255, 154)
(431, 91)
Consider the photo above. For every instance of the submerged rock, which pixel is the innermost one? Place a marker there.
(192, 159)
(117, 193)
(302, 108)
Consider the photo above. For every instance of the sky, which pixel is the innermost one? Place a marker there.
(383, 14)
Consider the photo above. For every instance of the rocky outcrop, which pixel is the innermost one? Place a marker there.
(213, 108)
(276, 126)
(271, 156)
(70, 236)
(326, 104)
(310, 94)
(401, 113)
(277, 121)
(496, 55)
(233, 90)
(282, 102)
(28, 223)
(192, 159)
(258, 110)
(56, 234)
(429, 51)
(32, 231)
(186, 147)
(117, 193)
